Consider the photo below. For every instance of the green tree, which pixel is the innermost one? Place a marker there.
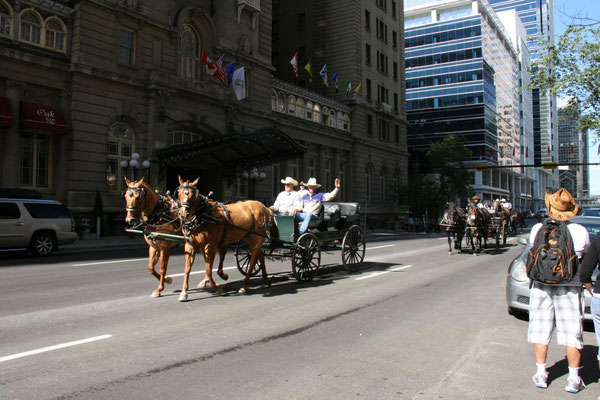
(571, 69)
(443, 177)
(446, 158)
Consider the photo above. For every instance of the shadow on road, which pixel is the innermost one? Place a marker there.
(284, 283)
(589, 363)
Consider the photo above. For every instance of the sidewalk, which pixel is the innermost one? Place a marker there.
(107, 242)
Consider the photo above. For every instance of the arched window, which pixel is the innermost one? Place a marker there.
(300, 108)
(326, 116)
(281, 102)
(188, 53)
(6, 18)
(340, 120)
(292, 105)
(120, 148)
(31, 27)
(332, 121)
(55, 34)
(317, 113)
(309, 110)
(181, 137)
(273, 100)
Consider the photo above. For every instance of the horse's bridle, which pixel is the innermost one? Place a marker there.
(186, 186)
(142, 197)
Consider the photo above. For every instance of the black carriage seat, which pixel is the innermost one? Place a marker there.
(335, 215)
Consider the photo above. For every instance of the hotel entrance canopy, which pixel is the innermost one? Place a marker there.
(259, 147)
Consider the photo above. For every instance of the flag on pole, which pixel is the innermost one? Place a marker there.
(308, 68)
(323, 74)
(229, 70)
(294, 62)
(513, 151)
(548, 149)
(527, 152)
(211, 67)
(334, 79)
(239, 83)
(222, 69)
(348, 86)
(357, 89)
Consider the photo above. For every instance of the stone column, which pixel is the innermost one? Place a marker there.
(60, 167)
(9, 173)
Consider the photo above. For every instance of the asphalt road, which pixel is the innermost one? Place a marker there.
(414, 323)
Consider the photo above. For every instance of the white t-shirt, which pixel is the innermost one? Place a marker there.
(287, 201)
(580, 236)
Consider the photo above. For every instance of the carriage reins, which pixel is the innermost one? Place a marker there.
(201, 214)
(156, 216)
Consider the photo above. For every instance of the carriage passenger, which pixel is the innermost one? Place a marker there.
(287, 202)
(476, 199)
(312, 203)
(302, 190)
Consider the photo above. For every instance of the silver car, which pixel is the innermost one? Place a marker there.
(39, 226)
(517, 283)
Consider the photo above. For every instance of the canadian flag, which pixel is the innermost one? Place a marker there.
(211, 67)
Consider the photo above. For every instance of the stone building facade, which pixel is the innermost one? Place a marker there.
(110, 78)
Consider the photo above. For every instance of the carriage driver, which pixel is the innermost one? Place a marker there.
(476, 201)
(312, 203)
(287, 202)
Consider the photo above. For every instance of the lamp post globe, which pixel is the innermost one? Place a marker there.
(135, 156)
(124, 164)
(146, 164)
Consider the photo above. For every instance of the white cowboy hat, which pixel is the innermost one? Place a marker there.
(312, 182)
(289, 179)
(503, 199)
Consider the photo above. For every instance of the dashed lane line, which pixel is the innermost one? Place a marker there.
(380, 247)
(52, 348)
(110, 262)
(387, 271)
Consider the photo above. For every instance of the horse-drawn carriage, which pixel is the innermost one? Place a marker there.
(248, 227)
(336, 228)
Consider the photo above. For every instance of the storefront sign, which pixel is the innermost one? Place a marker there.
(5, 114)
(41, 118)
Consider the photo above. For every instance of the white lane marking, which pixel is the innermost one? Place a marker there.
(380, 247)
(195, 272)
(56, 347)
(374, 274)
(110, 262)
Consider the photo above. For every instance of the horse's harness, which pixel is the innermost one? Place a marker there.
(201, 212)
(161, 212)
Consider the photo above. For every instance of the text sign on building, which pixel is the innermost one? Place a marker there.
(41, 118)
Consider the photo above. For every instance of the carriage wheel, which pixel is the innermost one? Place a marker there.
(306, 257)
(242, 259)
(353, 248)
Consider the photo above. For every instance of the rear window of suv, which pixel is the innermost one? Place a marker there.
(9, 211)
(40, 210)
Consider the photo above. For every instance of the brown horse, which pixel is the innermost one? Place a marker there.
(504, 214)
(478, 221)
(155, 213)
(210, 226)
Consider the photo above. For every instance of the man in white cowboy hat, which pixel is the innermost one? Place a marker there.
(312, 202)
(288, 201)
(558, 304)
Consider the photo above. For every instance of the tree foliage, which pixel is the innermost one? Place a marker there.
(442, 178)
(571, 69)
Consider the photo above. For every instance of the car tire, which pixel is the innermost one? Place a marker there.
(42, 244)
(517, 313)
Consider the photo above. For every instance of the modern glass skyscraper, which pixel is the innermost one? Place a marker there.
(462, 78)
(573, 148)
(538, 18)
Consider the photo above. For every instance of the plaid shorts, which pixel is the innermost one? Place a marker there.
(560, 305)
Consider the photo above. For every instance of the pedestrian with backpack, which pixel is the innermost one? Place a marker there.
(556, 295)
(590, 262)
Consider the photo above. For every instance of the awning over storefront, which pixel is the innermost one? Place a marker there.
(5, 114)
(256, 148)
(35, 117)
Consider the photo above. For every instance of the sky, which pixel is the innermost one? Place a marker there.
(590, 9)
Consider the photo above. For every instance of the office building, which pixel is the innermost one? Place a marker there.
(572, 149)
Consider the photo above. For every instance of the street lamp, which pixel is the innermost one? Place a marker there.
(252, 176)
(134, 164)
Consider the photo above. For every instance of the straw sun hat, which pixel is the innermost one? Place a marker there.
(289, 179)
(561, 205)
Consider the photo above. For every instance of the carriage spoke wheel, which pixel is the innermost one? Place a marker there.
(306, 257)
(242, 259)
(353, 249)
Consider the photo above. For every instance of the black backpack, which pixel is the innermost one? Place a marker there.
(552, 258)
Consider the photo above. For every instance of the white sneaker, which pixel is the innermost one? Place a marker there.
(540, 380)
(574, 385)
